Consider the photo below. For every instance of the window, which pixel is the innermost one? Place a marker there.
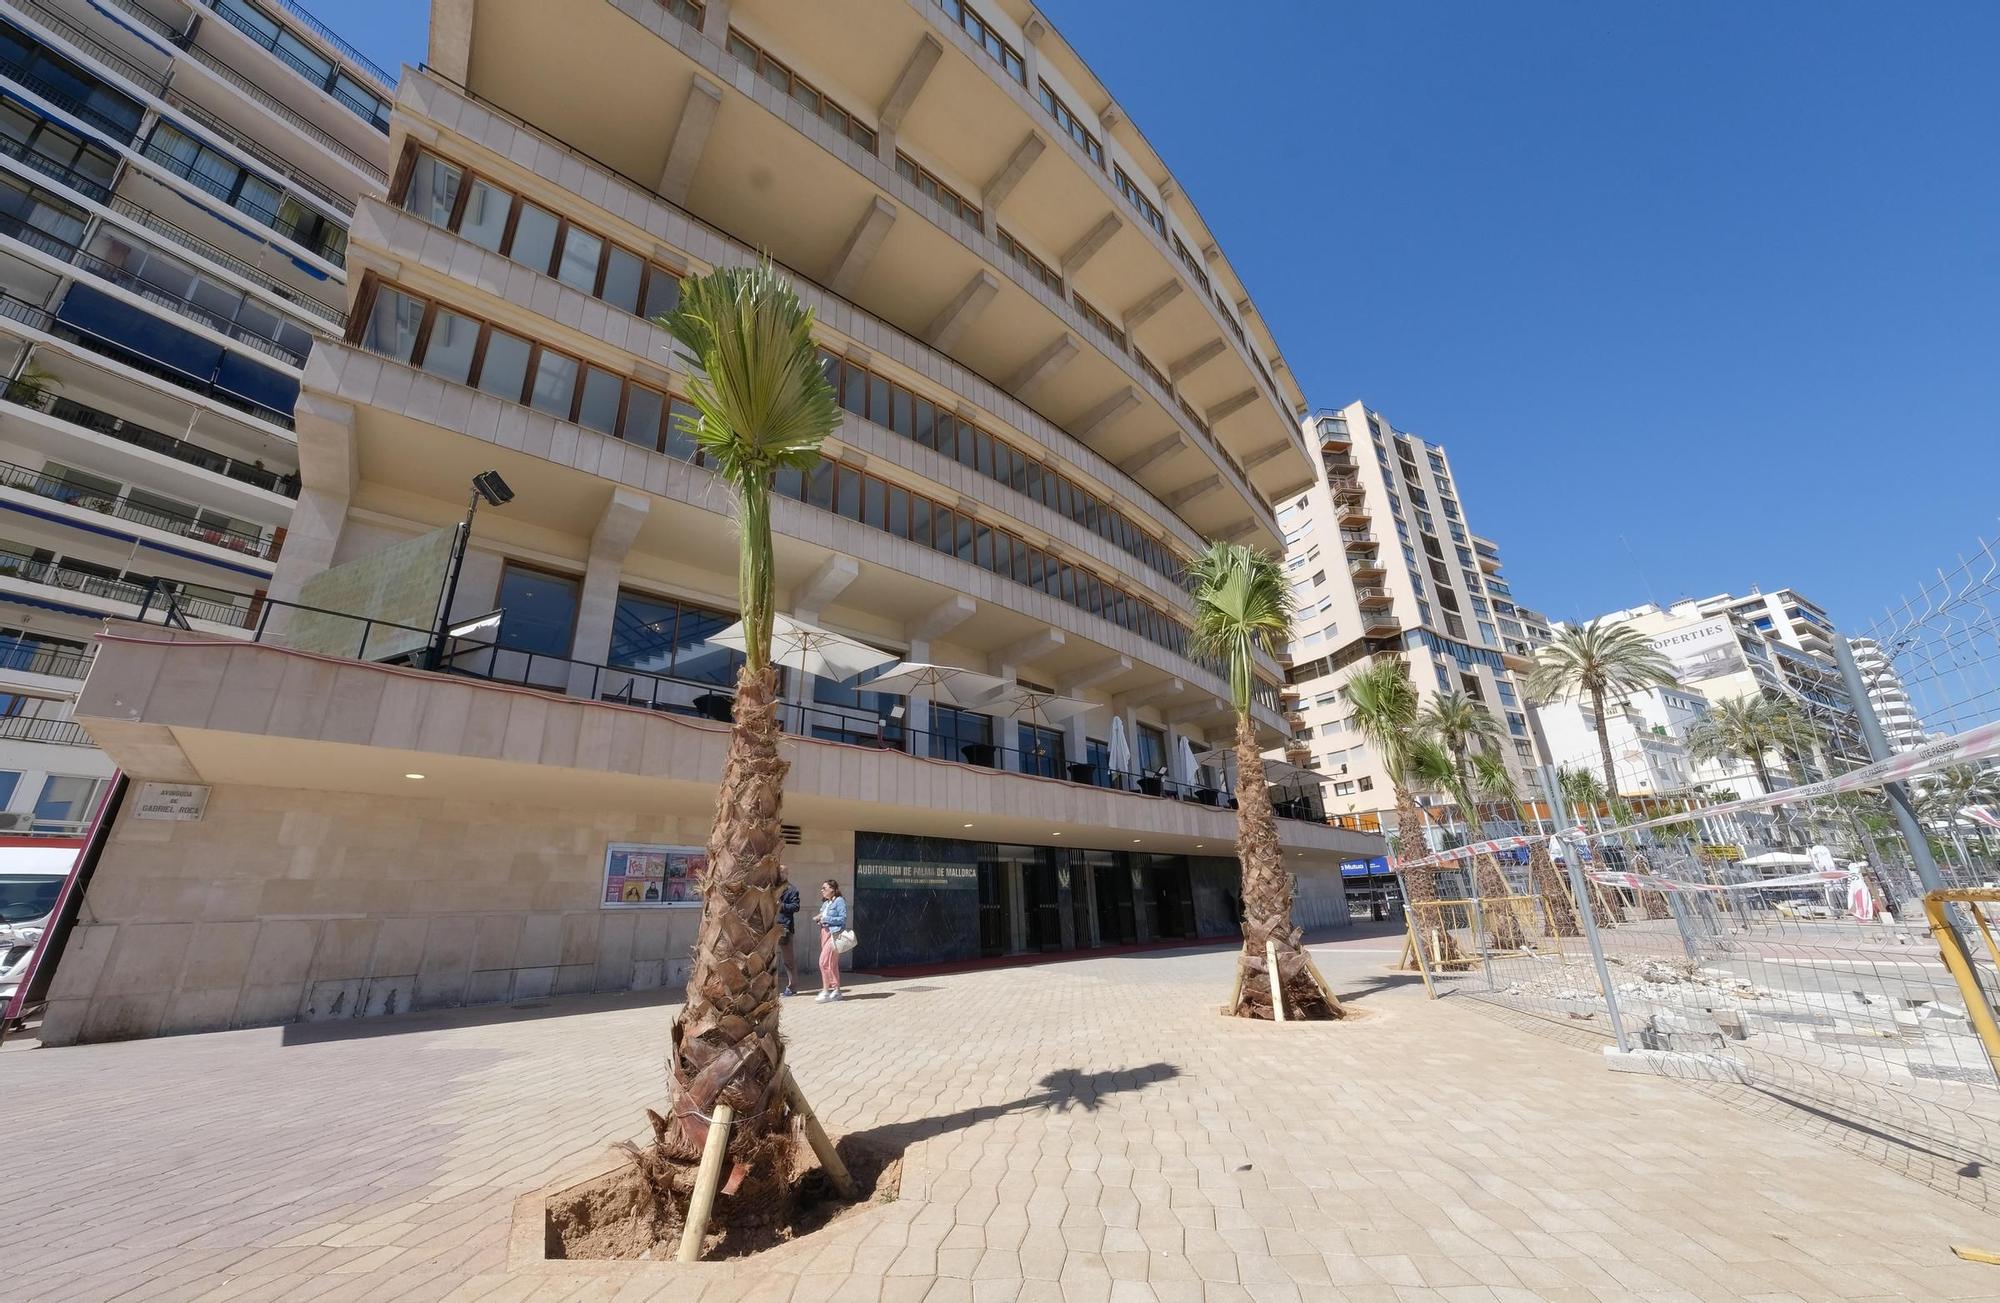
(1072, 125)
(796, 87)
(504, 371)
(1137, 198)
(540, 610)
(534, 242)
(581, 253)
(987, 39)
(453, 341)
(670, 638)
(958, 734)
(1152, 749)
(65, 803)
(1040, 270)
(1114, 334)
(555, 384)
(394, 322)
(248, 192)
(432, 192)
(925, 180)
(1043, 751)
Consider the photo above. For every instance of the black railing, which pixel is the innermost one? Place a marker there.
(117, 128)
(152, 596)
(304, 180)
(386, 80)
(40, 318)
(35, 728)
(152, 221)
(92, 498)
(297, 232)
(76, 256)
(29, 656)
(153, 82)
(101, 422)
(216, 64)
(88, 186)
(373, 114)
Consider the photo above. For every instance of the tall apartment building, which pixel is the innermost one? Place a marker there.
(1901, 725)
(179, 179)
(1800, 634)
(1054, 388)
(1383, 564)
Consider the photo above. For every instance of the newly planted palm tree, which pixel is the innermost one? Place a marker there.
(761, 405)
(1464, 727)
(1385, 710)
(1750, 728)
(1584, 791)
(1597, 660)
(1243, 605)
(1489, 780)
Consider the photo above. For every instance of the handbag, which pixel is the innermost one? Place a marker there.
(844, 941)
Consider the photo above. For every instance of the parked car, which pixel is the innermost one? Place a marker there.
(31, 880)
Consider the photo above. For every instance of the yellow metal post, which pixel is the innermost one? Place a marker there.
(1977, 1007)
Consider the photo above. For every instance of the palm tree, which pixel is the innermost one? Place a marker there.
(1584, 791)
(1385, 715)
(1243, 605)
(1596, 660)
(1490, 780)
(1460, 722)
(1749, 728)
(761, 405)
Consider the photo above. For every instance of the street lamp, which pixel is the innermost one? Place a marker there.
(487, 487)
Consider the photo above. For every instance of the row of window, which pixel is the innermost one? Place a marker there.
(464, 350)
(887, 404)
(987, 38)
(791, 84)
(1137, 198)
(1072, 125)
(211, 169)
(1040, 270)
(925, 180)
(502, 222)
(305, 60)
(467, 351)
(62, 82)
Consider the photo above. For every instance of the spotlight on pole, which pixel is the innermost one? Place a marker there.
(489, 485)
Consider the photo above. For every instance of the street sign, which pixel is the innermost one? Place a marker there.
(1722, 851)
(184, 802)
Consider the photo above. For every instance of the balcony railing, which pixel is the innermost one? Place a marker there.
(28, 656)
(92, 498)
(39, 318)
(37, 728)
(1357, 538)
(87, 186)
(385, 81)
(291, 117)
(374, 115)
(117, 128)
(241, 202)
(102, 422)
(152, 82)
(152, 221)
(55, 247)
(303, 180)
(155, 598)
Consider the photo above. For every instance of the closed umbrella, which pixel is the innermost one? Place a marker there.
(809, 648)
(1121, 751)
(1187, 761)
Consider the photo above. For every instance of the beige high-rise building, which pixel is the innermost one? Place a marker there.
(1385, 565)
(1055, 388)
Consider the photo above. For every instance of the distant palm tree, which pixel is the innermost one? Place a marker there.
(1750, 728)
(1462, 725)
(1385, 711)
(1492, 781)
(1596, 660)
(1243, 605)
(1584, 791)
(762, 405)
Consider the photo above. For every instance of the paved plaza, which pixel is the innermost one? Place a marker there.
(1082, 1132)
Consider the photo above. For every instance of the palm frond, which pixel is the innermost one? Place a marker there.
(1385, 711)
(1597, 657)
(1242, 605)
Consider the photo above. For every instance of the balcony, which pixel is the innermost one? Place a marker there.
(1489, 564)
(1340, 466)
(1373, 597)
(83, 183)
(374, 115)
(1380, 623)
(24, 655)
(1366, 567)
(90, 498)
(300, 231)
(1353, 515)
(98, 421)
(329, 317)
(39, 318)
(1358, 540)
(39, 728)
(155, 599)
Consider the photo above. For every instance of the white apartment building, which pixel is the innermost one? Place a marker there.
(1384, 564)
(1893, 709)
(1648, 733)
(177, 179)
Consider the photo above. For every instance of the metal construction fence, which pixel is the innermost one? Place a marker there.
(1825, 985)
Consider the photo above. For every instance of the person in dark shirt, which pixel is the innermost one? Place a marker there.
(788, 917)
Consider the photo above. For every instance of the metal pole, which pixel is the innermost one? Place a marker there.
(435, 653)
(1580, 890)
(1878, 749)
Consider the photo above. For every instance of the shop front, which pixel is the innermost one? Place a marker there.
(932, 900)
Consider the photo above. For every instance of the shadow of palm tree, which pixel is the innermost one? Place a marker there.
(1061, 1091)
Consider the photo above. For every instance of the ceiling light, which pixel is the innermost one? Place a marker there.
(1055, 834)
(413, 775)
(1135, 841)
(965, 825)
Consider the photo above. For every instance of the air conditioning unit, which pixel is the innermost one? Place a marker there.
(16, 820)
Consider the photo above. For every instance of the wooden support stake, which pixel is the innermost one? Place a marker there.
(1319, 980)
(1235, 989)
(829, 1158)
(1277, 987)
(714, 1156)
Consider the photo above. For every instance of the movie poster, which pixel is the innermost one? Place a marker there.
(637, 875)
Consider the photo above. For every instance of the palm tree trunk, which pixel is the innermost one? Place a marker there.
(1267, 900)
(1762, 771)
(725, 1047)
(1554, 892)
(1503, 929)
(1604, 747)
(1653, 900)
(1432, 929)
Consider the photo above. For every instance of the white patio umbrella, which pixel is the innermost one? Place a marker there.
(1188, 767)
(1120, 758)
(946, 683)
(807, 647)
(1040, 705)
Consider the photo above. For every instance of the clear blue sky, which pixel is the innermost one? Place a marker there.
(1717, 282)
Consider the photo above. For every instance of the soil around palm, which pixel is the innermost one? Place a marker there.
(620, 1215)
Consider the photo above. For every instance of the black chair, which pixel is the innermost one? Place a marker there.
(1082, 771)
(716, 706)
(978, 753)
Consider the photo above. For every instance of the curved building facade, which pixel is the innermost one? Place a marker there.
(1053, 386)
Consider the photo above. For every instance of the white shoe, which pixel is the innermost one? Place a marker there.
(822, 997)
(835, 995)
